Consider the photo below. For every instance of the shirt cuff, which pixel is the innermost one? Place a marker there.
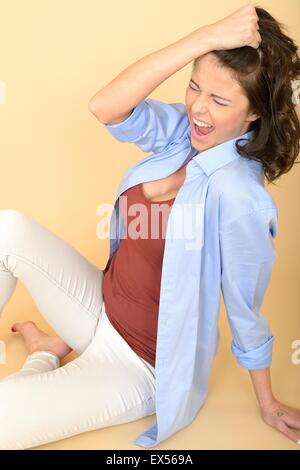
(258, 358)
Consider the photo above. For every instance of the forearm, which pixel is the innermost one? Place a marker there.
(261, 380)
(138, 80)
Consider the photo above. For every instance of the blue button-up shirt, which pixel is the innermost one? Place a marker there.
(219, 238)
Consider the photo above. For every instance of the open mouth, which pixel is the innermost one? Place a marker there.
(201, 132)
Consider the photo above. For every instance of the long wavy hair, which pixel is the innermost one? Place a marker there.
(268, 76)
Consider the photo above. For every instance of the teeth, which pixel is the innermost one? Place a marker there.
(201, 124)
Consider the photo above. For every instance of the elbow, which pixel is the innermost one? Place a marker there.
(93, 107)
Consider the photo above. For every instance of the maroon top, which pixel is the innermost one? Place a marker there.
(131, 284)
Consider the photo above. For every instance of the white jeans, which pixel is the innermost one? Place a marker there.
(107, 384)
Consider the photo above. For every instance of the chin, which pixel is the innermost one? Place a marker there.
(202, 145)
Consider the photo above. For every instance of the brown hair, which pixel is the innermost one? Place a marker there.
(267, 76)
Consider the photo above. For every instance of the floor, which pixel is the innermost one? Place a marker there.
(229, 419)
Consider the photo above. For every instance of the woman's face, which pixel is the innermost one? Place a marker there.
(217, 100)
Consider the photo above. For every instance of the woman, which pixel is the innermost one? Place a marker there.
(146, 327)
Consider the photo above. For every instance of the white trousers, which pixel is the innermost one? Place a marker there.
(107, 384)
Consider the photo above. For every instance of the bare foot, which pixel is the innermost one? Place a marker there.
(36, 340)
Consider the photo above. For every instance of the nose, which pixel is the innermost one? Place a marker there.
(200, 106)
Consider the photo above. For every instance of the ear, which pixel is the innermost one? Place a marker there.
(252, 117)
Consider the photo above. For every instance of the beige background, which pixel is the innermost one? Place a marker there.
(58, 164)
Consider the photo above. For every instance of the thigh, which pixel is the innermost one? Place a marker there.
(106, 385)
(65, 286)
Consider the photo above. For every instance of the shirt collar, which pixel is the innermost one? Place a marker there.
(215, 157)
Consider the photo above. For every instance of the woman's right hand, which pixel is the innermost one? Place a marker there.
(236, 30)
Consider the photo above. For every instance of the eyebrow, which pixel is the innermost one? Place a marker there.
(216, 96)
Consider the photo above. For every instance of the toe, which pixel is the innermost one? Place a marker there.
(14, 327)
(23, 326)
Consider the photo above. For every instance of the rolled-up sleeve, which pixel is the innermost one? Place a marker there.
(247, 258)
(152, 125)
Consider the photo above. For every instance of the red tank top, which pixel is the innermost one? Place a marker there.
(131, 284)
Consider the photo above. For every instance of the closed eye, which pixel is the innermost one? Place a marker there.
(195, 89)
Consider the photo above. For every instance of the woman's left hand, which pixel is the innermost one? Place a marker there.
(283, 418)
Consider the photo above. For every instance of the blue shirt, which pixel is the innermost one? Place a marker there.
(224, 245)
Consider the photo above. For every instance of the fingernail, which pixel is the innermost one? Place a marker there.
(298, 442)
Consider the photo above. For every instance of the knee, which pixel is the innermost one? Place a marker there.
(10, 217)
(8, 214)
(11, 223)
